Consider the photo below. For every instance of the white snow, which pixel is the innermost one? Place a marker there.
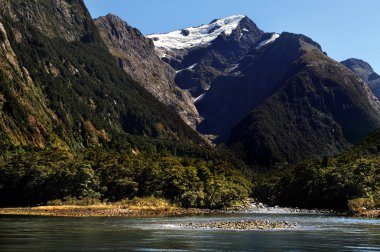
(197, 36)
(187, 68)
(192, 66)
(246, 30)
(199, 98)
(268, 41)
(233, 68)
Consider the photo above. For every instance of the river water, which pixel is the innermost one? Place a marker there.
(313, 233)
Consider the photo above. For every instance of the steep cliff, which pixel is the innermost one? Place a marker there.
(136, 55)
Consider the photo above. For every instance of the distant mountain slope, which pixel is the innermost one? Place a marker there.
(59, 85)
(232, 96)
(366, 73)
(318, 109)
(136, 55)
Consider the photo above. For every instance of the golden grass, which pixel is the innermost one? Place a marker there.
(103, 207)
(137, 205)
(145, 202)
(74, 207)
(151, 208)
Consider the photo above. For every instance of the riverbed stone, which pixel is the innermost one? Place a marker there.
(242, 225)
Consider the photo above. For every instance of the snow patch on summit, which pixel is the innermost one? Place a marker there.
(195, 36)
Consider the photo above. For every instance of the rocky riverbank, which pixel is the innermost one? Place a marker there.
(252, 206)
(242, 225)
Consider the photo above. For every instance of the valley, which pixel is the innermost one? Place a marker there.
(94, 111)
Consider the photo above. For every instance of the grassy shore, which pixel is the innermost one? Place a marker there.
(150, 206)
(129, 208)
(99, 211)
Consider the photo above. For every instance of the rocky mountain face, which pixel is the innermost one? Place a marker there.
(366, 73)
(136, 55)
(68, 20)
(60, 86)
(201, 54)
(271, 97)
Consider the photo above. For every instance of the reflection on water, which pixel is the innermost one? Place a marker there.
(313, 233)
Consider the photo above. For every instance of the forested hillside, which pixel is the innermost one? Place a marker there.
(351, 179)
(61, 87)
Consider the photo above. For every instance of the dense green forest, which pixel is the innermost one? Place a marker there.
(32, 177)
(351, 179)
(188, 177)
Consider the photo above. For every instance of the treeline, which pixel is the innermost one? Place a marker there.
(32, 177)
(348, 180)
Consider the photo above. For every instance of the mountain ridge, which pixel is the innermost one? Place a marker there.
(366, 73)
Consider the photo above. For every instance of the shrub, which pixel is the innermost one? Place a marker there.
(360, 204)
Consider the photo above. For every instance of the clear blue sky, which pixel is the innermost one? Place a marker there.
(344, 28)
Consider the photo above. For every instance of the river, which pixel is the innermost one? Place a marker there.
(314, 232)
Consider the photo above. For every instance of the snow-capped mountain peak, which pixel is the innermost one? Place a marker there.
(195, 36)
